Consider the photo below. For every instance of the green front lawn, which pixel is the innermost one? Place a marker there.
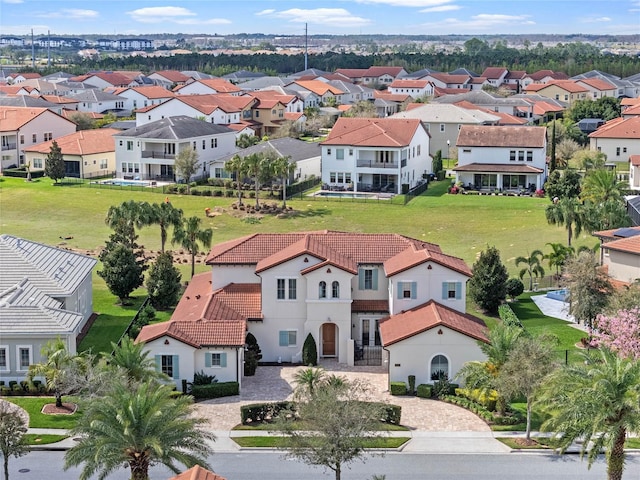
(284, 442)
(45, 439)
(37, 419)
(271, 427)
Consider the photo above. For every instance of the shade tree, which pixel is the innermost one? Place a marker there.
(487, 284)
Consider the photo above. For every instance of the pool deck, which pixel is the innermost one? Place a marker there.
(556, 309)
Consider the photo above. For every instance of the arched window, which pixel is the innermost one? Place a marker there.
(335, 290)
(322, 289)
(439, 367)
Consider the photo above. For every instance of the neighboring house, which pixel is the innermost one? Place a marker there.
(336, 286)
(625, 87)
(444, 121)
(538, 109)
(99, 102)
(260, 83)
(291, 102)
(141, 97)
(22, 127)
(498, 104)
(29, 101)
(17, 77)
(197, 473)
(511, 159)
(618, 139)
(599, 88)
(45, 294)
(326, 93)
(496, 76)
(446, 80)
(634, 172)
(352, 93)
(543, 76)
(306, 156)
(242, 76)
(376, 154)
(207, 87)
(87, 153)
(620, 254)
(387, 104)
(168, 78)
(148, 152)
(372, 75)
(415, 88)
(103, 80)
(566, 91)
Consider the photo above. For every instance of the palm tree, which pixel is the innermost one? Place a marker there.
(254, 166)
(308, 380)
(190, 236)
(532, 266)
(283, 168)
(53, 368)
(126, 218)
(558, 256)
(164, 215)
(597, 402)
(485, 375)
(601, 185)
(236, 166)
(139, 426)
(568, 213)
(134, 360)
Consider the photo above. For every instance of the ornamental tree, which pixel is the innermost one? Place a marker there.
(619, 332)
(54, 164)
(163, 282)
(487, 286)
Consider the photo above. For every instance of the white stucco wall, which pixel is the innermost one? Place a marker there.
(610, 146)
(622, 266)
(500, 155)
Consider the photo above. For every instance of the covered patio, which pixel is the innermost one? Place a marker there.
(505, 178)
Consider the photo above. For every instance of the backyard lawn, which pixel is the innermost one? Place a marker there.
(33, 406)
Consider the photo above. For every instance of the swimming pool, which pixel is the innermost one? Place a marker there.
(125, 183)
(352, 195)
(558, 294)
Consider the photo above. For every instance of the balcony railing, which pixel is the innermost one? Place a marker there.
(361, 163)
(9, 146)
(160, 155)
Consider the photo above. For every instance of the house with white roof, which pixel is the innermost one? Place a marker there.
(148, 152)
(376, 155)
(354, 293)
(45, 294)
(502, 158)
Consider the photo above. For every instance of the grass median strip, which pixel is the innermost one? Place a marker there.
(44, 439)
(284, 442)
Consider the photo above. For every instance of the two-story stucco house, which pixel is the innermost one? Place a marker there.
(618, 139)
(351, 292)
(376, 154)
(45, 294)
(141, 97)
(511, 159)
(620, 254)
(148, 152)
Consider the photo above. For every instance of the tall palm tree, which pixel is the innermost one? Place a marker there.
(236, 166)
(190, 236)
(485, 375)
(595, 401)
(254, 166)
(567, 212)
(164, 215)
(532, 266)
(127, 217)
(54, 367)
(558, 256)
(140, 427)
(134, 360)
(283, 168)
(601, 185)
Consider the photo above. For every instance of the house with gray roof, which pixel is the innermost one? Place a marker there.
(98, 101)
(305, 155)
(45, 294)
(148, 152)
(509, 105)
(263, 82)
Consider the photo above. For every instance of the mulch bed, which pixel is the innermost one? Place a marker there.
(523, 442)
(66, 409)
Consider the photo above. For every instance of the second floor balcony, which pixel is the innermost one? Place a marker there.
(157, 154)
(370, 163)
(8, 146)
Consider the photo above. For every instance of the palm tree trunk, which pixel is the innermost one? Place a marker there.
(163, 238)
(284, 192)
(139, 468)
(615, 462)
(569, 233)
(58, 399)
(193, 264)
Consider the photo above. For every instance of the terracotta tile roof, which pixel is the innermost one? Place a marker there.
(293, 115)
(570, 86)
(198, 333)
(478, 80)
(272, 94)
(497, 136)
(26, 76)
(173, 76)
(208, 104)
(197, 473)
(402, 83)
(220, 85)
(619, 128)
(629, 101)
(515, 74)
(412, 105)
(493, 72)
(498, 168)
(59, 99)
(373, 132)
(413, 256)
(83, 142)
(319, 87)
(609, 234)
(379, 71)
(634, 110)
(14, 118)
(14, 89)
(540, 74)
(113, 78)
(635, 160)
(441, 91)
(369, 306)
(626, 245)
(448, 78)
(597, 83)
(392, 97)
(427, 316)
(68, 114)
(351, 72)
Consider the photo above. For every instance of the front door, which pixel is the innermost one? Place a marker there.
(329, 340)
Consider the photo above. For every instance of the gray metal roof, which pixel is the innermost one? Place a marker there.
(480, 97)
(285, 147)
(26, 101)
(176, 128)
(262, 82)
(94, 96)
(55, 271)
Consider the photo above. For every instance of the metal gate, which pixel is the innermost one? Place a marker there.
(367, 356)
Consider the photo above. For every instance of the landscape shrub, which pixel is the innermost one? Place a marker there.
(309, 351)
(398, 388)
(412, 384)
(215, 390)
(217, 193)
(486, 399)
(508, 316)
(22, 173)
(424, 390)
(229, 193)
(514, 288)
(263, 412)
(392, 413)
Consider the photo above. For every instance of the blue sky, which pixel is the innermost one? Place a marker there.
(139, 17)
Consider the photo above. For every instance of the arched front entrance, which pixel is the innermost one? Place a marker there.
(329, 340)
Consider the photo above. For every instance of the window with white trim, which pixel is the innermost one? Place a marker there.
(4, 358)
(166, 365)
(287, 338)
(439, 367)
(25, 357)
(216, 359)
(451, 290)
(286, 289)
(322, 289)
(37, 163)
(335, 289)
(339, 153)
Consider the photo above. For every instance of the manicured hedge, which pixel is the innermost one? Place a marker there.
(215, 390)
(398, 388)
(22, 173)
(263, 412)
(424, 390)
(508, 316)
(486, 399)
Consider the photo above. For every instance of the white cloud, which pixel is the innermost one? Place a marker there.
(482, 21)
(408, 3)
(178, 15)
(70, 13)
(266, 12)
(335, 17)
(594, 19)
(12, 1)
(441, 8)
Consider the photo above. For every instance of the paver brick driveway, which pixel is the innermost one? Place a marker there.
(276, 384)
